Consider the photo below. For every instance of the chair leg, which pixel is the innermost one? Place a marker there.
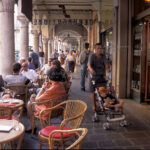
(33, 125)
(40, 144)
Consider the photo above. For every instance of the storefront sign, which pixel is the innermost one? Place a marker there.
(63, 21)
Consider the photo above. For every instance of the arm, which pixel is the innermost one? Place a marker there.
(42, 91)
(107, 68)
(90, 62)
(91, 69)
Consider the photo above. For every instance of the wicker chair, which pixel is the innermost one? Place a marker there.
(6, 113)
(79, 133)
(52, 103)
(73, 115)
(21, 91)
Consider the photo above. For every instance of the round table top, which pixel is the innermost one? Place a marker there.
(13, 101)
(16, 131)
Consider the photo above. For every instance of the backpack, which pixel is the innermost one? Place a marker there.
(85, 60)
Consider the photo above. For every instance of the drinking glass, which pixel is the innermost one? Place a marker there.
(15, 118)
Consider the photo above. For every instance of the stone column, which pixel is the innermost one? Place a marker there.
(114, 46)
(6, 36)
(45, 49)
(35, 40)
(49, 48)
(122, 49)
(24, 36)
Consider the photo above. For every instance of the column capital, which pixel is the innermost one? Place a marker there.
(35, 32)
(23, 20)
(7, 6)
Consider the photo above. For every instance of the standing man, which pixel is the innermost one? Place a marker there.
(54, 54)
(41, 57)
(35, 58)
(98, 67)
(83, 59)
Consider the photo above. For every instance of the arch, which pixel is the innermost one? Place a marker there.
(80, 29)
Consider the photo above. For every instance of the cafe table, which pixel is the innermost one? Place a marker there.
(11, 105)
(11, 130)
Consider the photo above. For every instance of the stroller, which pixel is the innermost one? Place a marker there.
(111, 115)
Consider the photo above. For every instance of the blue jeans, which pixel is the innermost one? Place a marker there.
(83, 75)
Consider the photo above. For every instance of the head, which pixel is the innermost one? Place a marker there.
(103, 91)
(29, 59)
(86, 45)
(16, 68)
(98, 49)
(22, 60)
(25, 66)
(62, 60)
(54, 75)
(70, 52)
(50, 61)
(56, 64)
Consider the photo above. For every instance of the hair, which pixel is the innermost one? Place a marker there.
(54, 74)
(50, 59)
(57, 63)
(16, 67)
(29, 59)
(86, 45)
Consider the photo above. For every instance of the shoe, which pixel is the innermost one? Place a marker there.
(30, 131)
(82, 89)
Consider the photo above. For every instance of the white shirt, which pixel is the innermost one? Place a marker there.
(45, 68)
(70, 58)
(30, 74)
(15, 79)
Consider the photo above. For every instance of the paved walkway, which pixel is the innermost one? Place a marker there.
(135, 136)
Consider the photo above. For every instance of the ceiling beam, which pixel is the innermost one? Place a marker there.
(73, 4)
(86, 10)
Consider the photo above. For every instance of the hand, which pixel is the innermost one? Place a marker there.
(45, 85)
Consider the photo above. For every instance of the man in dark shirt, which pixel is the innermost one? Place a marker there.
(97, 66)
(83, 59)
(35, 58)
(30, 64)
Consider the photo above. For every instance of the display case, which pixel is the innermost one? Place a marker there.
(147, 79)
(137, 58)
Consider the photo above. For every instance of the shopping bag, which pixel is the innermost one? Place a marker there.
(75, 69)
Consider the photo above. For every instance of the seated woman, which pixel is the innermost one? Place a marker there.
(52, 89)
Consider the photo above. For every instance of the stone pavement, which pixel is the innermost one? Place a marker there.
(135, 136)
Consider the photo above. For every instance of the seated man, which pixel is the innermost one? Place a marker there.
(52, 89)
(29, 73)
(22, 60)
(16, 77)
(46, 67)
(110, 101)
